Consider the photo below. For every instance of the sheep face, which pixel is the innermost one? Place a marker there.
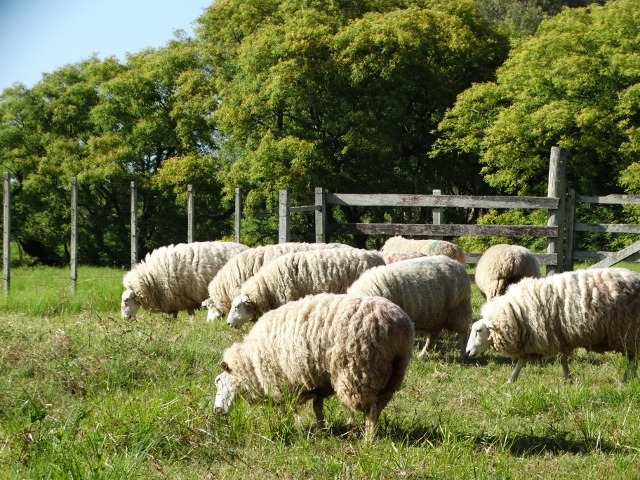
(225, 393)
(479, 338)
(212, 312)
(241, 311)
(129, 306)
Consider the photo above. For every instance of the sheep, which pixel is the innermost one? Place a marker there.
(225, 286)
(393, 256)
(596, 309)
(426, 247)
(175, 277)
(356, 347)
(434, 291)
(502, 265)
(297, 274)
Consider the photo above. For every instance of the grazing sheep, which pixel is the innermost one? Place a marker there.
(357, 348)
(597, 309)
(294, 275)
(225, 286)
(502, 265)
(175, 277)
(434, 291)
(426, 247)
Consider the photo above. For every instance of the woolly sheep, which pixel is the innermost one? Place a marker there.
(596, 309)
(175, 277)
(426, 247)
(393, 256)
(355, 347)
(434, 291)
(502, 265)
(294, 275)
(225, 286)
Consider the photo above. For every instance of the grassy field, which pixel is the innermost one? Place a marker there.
(86, 395)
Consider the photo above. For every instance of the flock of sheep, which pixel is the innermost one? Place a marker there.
(336, 320)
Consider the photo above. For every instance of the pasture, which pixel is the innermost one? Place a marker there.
(84, 394)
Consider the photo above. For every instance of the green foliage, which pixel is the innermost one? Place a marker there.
(569, 85)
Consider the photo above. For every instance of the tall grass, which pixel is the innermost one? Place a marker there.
(84, 394)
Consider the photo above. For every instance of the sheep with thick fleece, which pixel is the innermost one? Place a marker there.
(502, 265)
(356, 347)
(435, 292)
(393, 256)
(294, 275)
(175, 277)
(596, 309)
(426, 247)
(225, 286)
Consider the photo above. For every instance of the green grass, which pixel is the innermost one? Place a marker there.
(84, 394)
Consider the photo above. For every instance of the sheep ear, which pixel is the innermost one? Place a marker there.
(488, 324)
(245, 299)
(225, 366)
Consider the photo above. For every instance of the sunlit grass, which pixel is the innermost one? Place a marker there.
(84, 394)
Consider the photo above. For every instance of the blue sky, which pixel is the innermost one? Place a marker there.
(40, 36)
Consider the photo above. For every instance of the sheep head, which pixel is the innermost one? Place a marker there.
(242, 310)
(212, 312)
(480, 337)
(129, 305)
(225, 392)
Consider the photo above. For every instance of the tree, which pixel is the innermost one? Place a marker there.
(339, 95)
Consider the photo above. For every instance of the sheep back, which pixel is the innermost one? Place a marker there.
(356, 347)
(294, 275)
(502, 265)
(175, 277)
(426, 247)
(434, 291)
(225, 286)
(596, 309)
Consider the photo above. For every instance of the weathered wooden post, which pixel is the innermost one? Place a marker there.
(6, 232)
(238, 214)
(557, 189)
(189, 213)
(321, 214)
(74, 236)
(570, 221)
(284, 220)
(134, 224)
(436, 214)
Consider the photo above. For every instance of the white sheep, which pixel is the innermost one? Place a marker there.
(294, 275)
(595, 309)
(357, 348)
(435, 292)
(502, 265)
(426, 247)
(225, 286)
(175, 277)
(393, 256)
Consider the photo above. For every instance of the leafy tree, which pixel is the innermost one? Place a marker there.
(338, 95)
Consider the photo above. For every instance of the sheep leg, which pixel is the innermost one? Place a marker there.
(516, 371)
(428, 344)
(632, 368)
(564, 360)
(463, 337)
(371, 418)
(317, 409)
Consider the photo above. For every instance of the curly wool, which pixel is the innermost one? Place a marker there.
(225, 286)
(175, 277)
(294, 275)
(435, 292)
(393, 256)
(356, 347)
(503, 265)
(427, 247)
(595, 309)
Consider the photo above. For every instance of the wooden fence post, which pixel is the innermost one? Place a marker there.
(557, 189)
(189, 213)
(74, 235)
(284, 220)
(6, 232)
(134, 224)
(238, 201)
(321, 215)
(436, 214)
